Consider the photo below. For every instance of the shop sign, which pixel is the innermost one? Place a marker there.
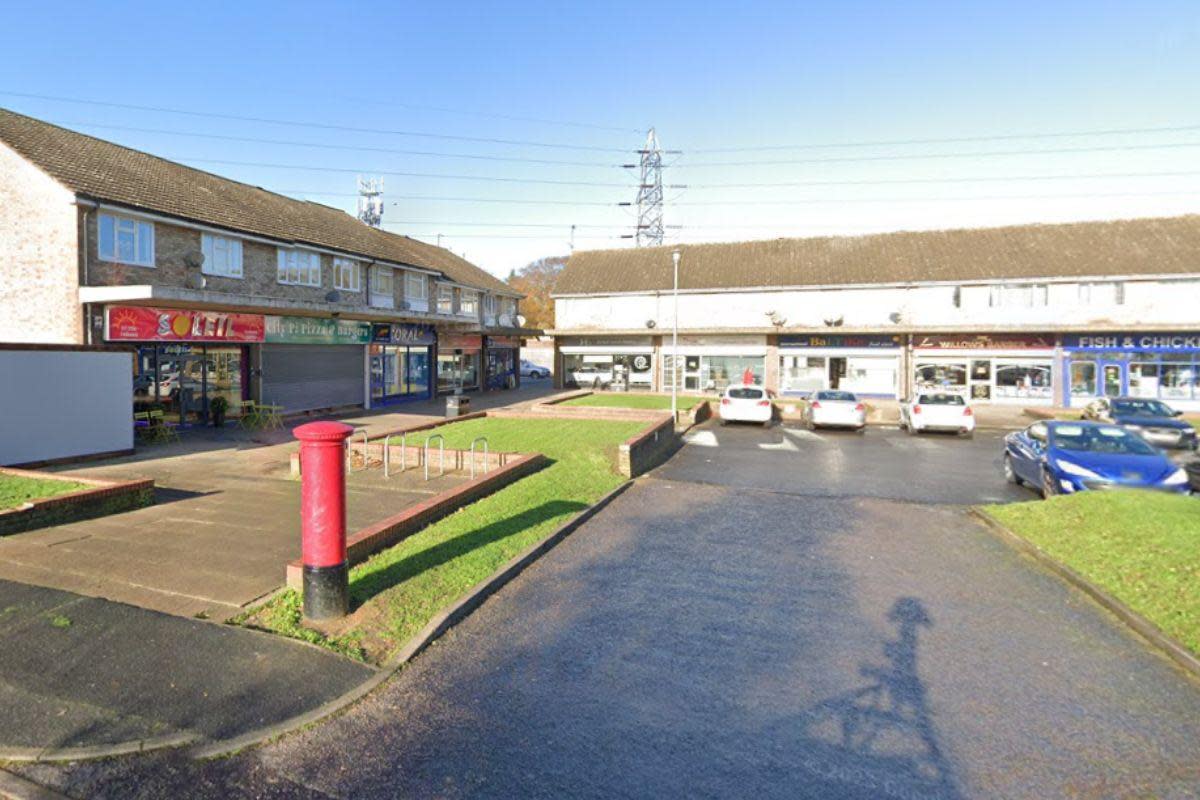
(841, 340)
(143, 324)
(605, 341)
(314, 330)
(1157, 342)
(721, 341)
(982, 341)
(460, 342)
(502, 341)
(400, 333)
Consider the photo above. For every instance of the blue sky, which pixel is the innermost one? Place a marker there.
(596, 75)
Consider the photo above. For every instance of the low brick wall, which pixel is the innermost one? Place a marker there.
(103, 498)
(648, 449)
(413, 457)
(361, 544)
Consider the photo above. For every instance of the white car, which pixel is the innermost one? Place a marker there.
(531, 370)
(744, 403)
(836, 409)
(937, 411)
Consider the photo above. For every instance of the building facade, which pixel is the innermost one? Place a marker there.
(1030, 315)
(227, 290)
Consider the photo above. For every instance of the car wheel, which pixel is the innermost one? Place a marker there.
(1010, 474)
(766, 423)
(968, 434)
(1049, 487)
(809, 424)
(722, 422)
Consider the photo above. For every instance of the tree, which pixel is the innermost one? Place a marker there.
(536, 281)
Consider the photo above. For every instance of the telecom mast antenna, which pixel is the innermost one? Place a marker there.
(370, 201)
(650, 194)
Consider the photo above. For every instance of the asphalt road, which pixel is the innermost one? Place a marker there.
(739, 625)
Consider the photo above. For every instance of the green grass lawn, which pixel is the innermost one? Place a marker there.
(400, 589)
(1143, 547)
(658, 402)
(17, 490)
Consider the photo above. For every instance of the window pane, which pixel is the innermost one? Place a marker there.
(281, 270)
(145, 238)
(107, 238)
(1083, 378)
(1143, 380)
(125, 244)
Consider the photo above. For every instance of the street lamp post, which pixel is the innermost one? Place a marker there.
(675, 254)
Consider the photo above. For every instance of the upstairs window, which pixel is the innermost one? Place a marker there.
(1108, 293)
(381, 287)
(468, 303)
(222, 255)
(416, 291)
(445, 299)
(126, 240)
(489, 305)
(347, 275)
(1028, 295)
(299, 267)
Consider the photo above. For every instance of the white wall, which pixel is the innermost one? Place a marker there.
(1168, 304)
(63, 403)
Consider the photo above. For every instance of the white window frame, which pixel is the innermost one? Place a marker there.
(489, 305)
(468, 303)
(445, 296)
(298, 267)
(347, 275)
(416, 291)
(222, 255)
(1019, 295)
(141, 230)
(382, 287)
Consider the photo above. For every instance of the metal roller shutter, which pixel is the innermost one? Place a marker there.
(301, 377)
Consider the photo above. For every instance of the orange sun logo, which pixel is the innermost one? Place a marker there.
(123, 317)
(181, 325)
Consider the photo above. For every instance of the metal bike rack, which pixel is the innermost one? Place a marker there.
(365, 464)
(441, 455)
(485, 454)
(387, 454)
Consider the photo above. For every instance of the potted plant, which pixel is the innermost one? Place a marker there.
(217, 408)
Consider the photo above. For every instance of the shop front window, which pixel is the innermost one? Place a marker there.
(1083, 378)
(225, 377)
(1143, 380)
(1178, 378)
(870, 375)
(1023, 380)
(458, 371)
(588, 371)
(932, 376)
(719, 372)
(500, 367)
(802, 373)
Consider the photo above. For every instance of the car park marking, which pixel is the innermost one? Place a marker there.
(803, 435)
(785, 445)
(701, 439)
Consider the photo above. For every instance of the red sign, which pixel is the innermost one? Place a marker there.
(982, 341)
(141, 324)
(459, 342)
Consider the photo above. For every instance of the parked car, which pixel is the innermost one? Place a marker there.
(743, 403)
(938, 411)
(1156, 421)
(1061, 457)
(832, 408)
(531, 370)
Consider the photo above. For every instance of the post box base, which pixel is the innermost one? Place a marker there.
(326, 592)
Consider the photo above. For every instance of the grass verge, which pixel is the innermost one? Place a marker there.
(397, 591)
(16, 490)
(657, 402)
(1139, 546)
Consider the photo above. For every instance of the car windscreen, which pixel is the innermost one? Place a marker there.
(1099, 439)
(1141, 408)
(845, 397)
(746, 393)
(941, 400)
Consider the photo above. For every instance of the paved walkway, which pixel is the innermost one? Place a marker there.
(735, 639)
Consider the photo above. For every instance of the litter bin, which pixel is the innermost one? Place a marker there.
(457, 405)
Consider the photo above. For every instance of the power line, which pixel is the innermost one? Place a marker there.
(941, 199)
(314, 125)
(974, 179)
(438, 175)
(950, 140)
(362, 148)
(919, 156)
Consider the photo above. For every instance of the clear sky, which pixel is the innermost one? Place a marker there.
(591, 77)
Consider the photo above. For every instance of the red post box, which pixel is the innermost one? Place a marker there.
(326, 573)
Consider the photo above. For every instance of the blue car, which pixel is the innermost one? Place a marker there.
(1066, 457)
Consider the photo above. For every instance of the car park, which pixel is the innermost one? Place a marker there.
(938, 411)
(746, 403)
(1156, 421)
(1060, 457)
(834, 409)
(531, 370)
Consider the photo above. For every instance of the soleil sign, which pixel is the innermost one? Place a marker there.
(142, 324)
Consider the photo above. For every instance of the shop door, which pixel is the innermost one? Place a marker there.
(691, 373)
(1112, 379)
(191, 388)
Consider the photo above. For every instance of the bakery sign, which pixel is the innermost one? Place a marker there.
(983, 341)
(144, 324)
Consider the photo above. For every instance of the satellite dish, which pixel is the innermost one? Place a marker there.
(520, 320)
(651, 324)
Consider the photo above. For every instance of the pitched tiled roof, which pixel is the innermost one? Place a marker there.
(1169, 245)
(105, 171)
